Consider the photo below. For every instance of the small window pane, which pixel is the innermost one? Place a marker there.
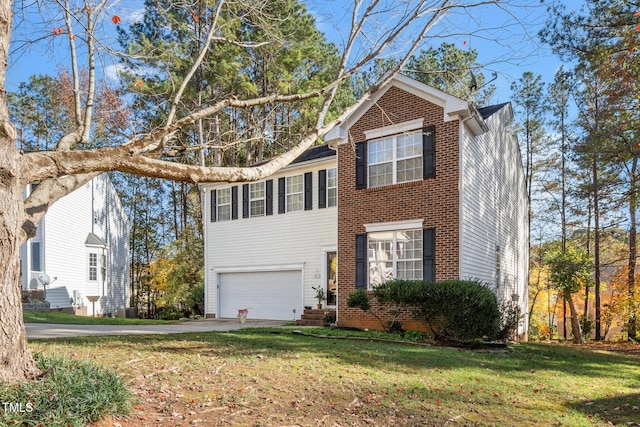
(295, 195)
(93, 267)
(332, 187)
(381, 150)
(380, 175)
(224, 204)
(256, 197)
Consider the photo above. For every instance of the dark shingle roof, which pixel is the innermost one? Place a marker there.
(490, 110)
(315, 152)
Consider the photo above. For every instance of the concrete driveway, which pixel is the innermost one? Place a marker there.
(48, 330)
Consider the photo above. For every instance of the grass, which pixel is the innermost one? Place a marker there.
(70, 393)
(70, 319)
(273, 377)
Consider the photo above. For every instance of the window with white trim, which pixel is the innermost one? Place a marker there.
(295, 193)
(256, 198)
(332, 187)
(395, 159)
(93, 267)
(394, 255)
(223, 204)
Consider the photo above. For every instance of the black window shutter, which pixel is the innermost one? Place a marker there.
(234, 202)
(308, 191)
(361, 261)
(213, 206)
(282, 195)
(361, 165)
(429, 254)
(245, 201)
(429, 152)
(269, 197)
(322, 188)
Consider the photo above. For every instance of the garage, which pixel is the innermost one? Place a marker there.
(268, 295)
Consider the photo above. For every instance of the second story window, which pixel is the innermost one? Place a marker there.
(332, 187)
(395, 159)
(223, 203)
(256, 198)
(295, 193)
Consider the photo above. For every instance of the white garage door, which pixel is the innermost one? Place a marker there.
(267, 294)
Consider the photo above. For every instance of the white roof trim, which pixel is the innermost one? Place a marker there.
(394, 225)
(392, 129)
(454, 108)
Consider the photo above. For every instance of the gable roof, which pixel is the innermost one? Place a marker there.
(454, 108)
(93, 240)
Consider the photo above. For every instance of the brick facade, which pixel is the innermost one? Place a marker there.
(434, 199)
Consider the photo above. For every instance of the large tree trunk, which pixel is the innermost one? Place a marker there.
(633, 251)
(575, 323)
(16, 363)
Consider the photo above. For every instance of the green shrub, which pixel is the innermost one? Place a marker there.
(70, 393)
(329, 318)
(390, 304)
(455, 309)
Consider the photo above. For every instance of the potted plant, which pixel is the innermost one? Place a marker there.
(320, 296)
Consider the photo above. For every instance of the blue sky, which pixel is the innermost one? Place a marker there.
(506, 40)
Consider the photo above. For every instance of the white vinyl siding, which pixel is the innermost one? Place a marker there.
(277, 242)
(493, 210)
(295, 193)
(65, 256)
(395, 159)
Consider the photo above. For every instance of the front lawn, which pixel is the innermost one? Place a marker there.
(70, 319)
(274, 377)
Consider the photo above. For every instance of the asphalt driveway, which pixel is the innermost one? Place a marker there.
(48, 330)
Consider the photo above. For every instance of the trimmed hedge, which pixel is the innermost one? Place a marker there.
(456, 309)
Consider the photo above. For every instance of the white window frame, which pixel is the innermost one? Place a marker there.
(332, 188)
(219, 205)
(257, 201)
(373, 259)
(394, 158)
(92, 268)
(289, 194)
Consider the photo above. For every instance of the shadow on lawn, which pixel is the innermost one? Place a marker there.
(617, 409)
(251, 342)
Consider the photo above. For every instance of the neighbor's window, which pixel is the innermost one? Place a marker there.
(256, 198)
(93, 267)
(394, 254)
(223, 203)
(36, 259)
(295, 193)
(332, 187)
(395, 159)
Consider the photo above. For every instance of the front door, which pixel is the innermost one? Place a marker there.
(331, 263)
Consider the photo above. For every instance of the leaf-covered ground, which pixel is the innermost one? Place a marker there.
(272, 378)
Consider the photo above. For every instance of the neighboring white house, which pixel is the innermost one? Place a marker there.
(422, 186)
(82, 244)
